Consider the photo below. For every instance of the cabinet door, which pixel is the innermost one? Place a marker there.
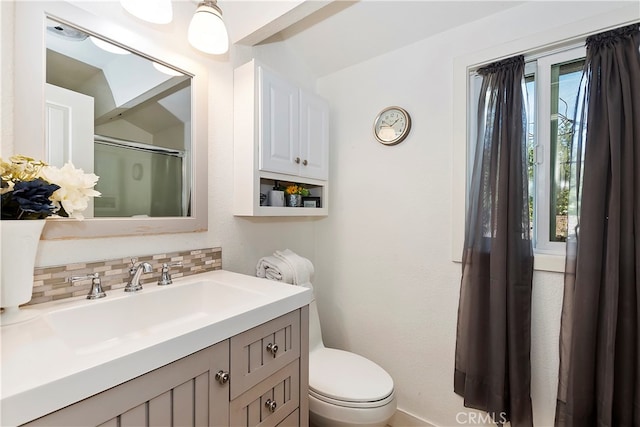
(270, 401)
(293, 420)
(278, 116)
(253, 361)
(182, 393)
(314, 136)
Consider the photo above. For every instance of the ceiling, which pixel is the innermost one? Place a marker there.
(124, 86)
(344, 33)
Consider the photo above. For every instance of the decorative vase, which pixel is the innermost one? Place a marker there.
(294, 200)
(20, 240)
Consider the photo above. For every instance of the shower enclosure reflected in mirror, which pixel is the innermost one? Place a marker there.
(168, 48)
(122, 116)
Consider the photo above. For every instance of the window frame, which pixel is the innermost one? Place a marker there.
(542, 146)
(547, 40)
(538, 66)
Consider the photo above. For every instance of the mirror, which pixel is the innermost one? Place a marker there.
(167, 114)
(139, 115)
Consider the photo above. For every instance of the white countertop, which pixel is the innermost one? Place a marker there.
(42, 371)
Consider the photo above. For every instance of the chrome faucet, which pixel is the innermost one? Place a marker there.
(165, 276)
(96, 287)
(136, 270)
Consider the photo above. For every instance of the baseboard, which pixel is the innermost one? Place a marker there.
(405, 419)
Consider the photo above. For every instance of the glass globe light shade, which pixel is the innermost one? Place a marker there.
(207, 32)
(106, 46)
(166, 70)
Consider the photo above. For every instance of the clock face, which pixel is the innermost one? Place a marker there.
(392, 125)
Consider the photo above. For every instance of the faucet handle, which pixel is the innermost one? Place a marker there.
(96, 286)
(132, 268)
(165, 276)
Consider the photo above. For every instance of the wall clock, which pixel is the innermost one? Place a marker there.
(392, 126)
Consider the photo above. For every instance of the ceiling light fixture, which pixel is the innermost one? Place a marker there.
(106, 46)
(166, 70)
(155, 11)
(207, 31)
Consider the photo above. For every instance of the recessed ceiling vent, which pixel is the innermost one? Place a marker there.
(64, 31)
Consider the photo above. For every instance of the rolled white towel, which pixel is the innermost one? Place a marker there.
(302, 268)
(273, 268)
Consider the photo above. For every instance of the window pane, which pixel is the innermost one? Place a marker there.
(530, 86)
(565, 83)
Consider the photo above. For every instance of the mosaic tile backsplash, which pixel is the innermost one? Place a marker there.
(51, 283)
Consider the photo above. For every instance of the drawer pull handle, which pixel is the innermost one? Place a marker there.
(271, 405)
(297, 160)
(272, 348)
(304, 162)
(222, 377)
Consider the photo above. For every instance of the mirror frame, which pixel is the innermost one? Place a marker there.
(29, 122)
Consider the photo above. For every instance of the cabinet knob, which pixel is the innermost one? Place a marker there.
(222, 377)
(271, 405)
(272, 348)
(304, 162)
(297, 160)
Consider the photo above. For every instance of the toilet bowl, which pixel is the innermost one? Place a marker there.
(345, 389)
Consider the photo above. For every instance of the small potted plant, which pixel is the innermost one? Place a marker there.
(30, 191)
(295, 193)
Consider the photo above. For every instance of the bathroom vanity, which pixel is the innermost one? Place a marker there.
(217, 349)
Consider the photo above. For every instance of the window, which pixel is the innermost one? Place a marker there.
(552, 82)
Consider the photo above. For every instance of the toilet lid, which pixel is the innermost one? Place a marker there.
(347, 377)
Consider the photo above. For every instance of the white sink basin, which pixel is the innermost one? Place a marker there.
(123, 316)
(75, 348)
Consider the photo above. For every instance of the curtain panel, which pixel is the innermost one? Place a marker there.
(492, 363)
(599, 378)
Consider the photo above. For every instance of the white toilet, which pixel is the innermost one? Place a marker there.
(345, 389)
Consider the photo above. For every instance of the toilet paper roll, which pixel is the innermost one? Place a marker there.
(276, 198)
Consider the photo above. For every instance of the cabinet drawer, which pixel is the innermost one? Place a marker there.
(270, 402)
(252, 356)
(293, 420)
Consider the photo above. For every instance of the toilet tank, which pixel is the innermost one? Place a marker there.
(315, 333)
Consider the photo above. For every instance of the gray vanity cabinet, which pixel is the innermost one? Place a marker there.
(265, 372)
(267, 385)
(183, 393)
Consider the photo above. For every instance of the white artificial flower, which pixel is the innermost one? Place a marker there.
(75, 188)
(8, 188)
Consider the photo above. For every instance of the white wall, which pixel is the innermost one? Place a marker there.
(385, 282)
(244, 240)
(6, 77)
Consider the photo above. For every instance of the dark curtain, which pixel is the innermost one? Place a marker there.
(599, 382)
(492, 366)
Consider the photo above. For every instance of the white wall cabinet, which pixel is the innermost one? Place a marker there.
(293, 128)
(278, 124)
(264, 387)
(281, 133)
(314, 136)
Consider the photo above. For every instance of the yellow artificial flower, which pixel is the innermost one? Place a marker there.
(20, 168)
(297, 189)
